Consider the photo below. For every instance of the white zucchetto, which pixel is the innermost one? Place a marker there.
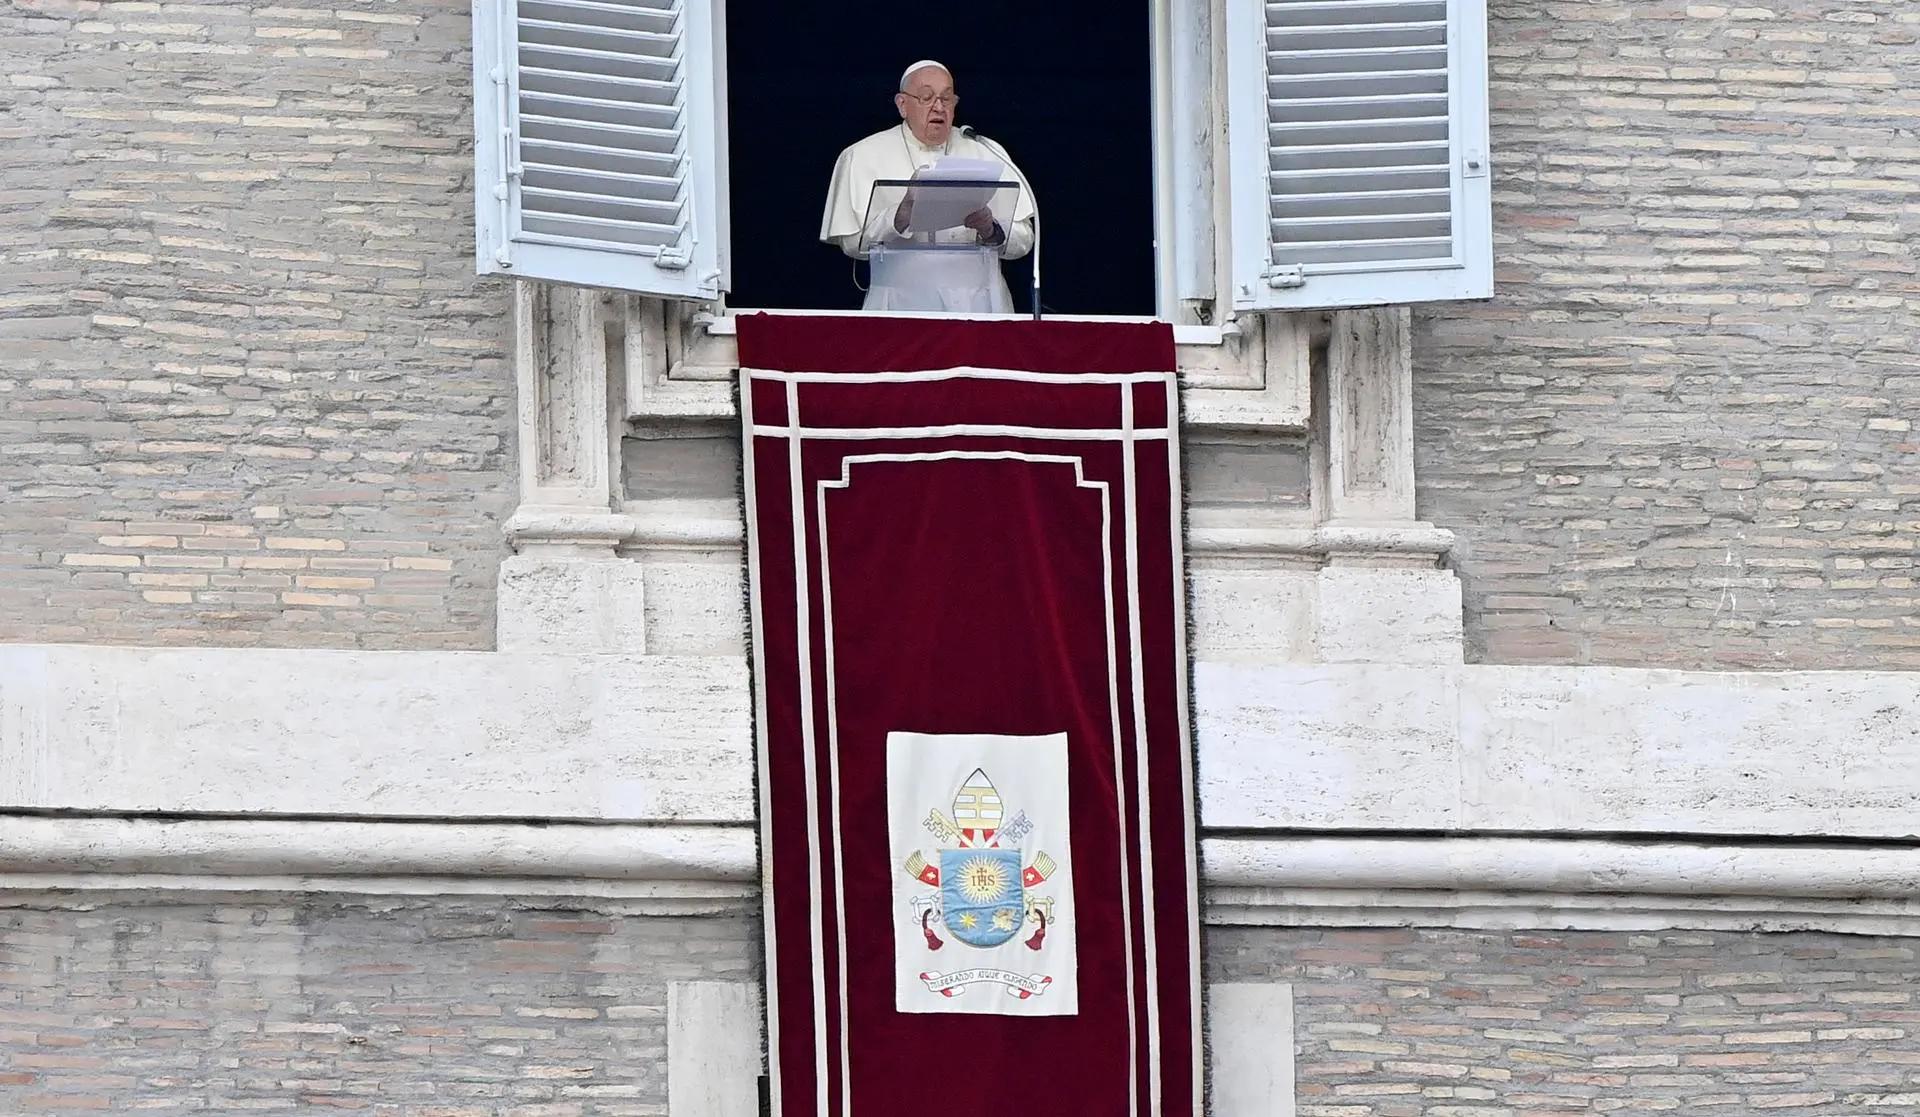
(920, 65)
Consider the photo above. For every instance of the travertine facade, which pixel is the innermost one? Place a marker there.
(250, 390)
(252, 394)
(1683, 432)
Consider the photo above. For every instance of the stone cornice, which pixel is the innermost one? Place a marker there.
(703, 525)
(1305, 880)
(1417, 540)
(533, 524)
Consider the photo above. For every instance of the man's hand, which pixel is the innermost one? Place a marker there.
(982, 223)
(903, 216)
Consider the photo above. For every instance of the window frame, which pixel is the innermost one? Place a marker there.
(1205, 59)
(1187, 232)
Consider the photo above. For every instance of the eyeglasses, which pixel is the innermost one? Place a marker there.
(947, 99)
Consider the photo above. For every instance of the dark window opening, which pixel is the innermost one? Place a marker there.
(1065, 87)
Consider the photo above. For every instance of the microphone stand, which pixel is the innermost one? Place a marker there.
(972, 133)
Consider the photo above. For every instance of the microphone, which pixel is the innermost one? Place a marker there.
(972, 133)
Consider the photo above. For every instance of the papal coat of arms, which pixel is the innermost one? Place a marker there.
(984, 888)
(980, 852)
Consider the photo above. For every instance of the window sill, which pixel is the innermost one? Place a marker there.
(1249, 374)
(724, 325)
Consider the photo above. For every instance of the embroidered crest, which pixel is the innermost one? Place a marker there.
(982, 881)
(982, 867)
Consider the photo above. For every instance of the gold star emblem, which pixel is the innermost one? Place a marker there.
(969, 920)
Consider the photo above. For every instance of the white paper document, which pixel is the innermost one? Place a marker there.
(948, 206)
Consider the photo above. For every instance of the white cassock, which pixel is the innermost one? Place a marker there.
(950, 281)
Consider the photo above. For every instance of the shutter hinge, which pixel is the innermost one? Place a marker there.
(1473, 164)
(1286, 275)
(503, 193)
(674, 259)
(502, 189)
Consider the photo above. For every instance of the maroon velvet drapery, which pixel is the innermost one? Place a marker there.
(962, 530)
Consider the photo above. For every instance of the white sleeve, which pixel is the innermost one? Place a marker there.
(840, 220)
(1019, 238)
(1020, 230)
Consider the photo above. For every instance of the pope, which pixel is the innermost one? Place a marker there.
(926, 281)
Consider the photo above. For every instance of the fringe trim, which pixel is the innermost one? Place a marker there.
(1193, 746)
(767, 1053)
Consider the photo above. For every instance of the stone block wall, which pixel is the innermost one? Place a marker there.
(250, 389)
(1683, 431)
(1405, 1023)
(406, 1007)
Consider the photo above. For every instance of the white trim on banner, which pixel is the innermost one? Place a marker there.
(760, 743)
(839, 831)
(961, 372)
(804, 626)
(1113, 685)
(963, 430)
(1137, 672)
(794, 433)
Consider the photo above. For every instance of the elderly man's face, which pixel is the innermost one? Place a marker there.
(927, 104)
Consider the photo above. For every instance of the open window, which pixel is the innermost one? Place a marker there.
(1358, 131)
(1341, 160)
(1065, 88)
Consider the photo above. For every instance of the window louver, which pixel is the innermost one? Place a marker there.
(605, 128)
(1372, 159)
(601, 118)
(1358, 124)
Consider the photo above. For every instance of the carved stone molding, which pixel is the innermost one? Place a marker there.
(372, 848)
(1369, 417)
(560, 368)
(565, 588)
(1510, 883)
(532, 527)
(1381, 595)
(672, 372)
(591, 365)
(1250, 374)
(1291, 879)
(1414, 541)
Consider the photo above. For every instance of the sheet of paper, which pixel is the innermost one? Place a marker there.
(944, 206)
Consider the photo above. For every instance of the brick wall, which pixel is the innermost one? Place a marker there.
(250, 391)
(1551, 1024)
(1683, 432)
(407, 1008)
(462, 1008)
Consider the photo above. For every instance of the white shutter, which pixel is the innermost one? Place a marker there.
(1358, 135)
(599, 143)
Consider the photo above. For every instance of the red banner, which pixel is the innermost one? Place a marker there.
(976, 786)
